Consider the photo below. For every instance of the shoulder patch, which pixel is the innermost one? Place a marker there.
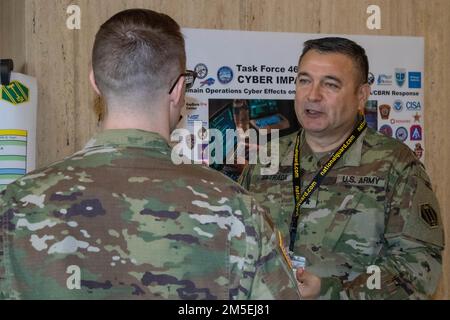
(429, 215)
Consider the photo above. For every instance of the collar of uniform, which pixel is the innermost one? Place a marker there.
(129, 138)
(287, 145)
(352, 158)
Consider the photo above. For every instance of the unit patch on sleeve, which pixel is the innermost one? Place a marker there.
(429, 215)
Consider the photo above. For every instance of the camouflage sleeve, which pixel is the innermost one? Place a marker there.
(266, 274)
(3, 290)
(410, 263)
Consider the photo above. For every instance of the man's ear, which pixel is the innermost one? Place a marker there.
(93, 83)
(176, 103)
(363, 96)
(177, 94)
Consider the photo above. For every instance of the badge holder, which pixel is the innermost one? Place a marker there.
(298, 262)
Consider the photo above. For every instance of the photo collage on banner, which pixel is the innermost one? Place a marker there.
(246, 80)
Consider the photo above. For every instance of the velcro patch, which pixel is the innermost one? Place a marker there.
(284, 174)
(429, 215)
(311, 203)
(360, 180)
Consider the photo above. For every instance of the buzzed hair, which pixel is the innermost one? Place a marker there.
(138, 52)
(344, 46)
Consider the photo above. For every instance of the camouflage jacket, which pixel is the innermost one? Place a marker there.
(118, 220)
(374, 216)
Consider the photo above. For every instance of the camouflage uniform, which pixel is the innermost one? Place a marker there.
(375, 207)
(132, 225)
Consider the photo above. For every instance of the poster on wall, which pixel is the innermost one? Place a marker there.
(18, 110)
(247, 80)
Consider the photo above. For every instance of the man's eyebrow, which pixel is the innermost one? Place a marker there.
(333, 78)
(329, 77)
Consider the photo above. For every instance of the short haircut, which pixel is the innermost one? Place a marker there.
(138, 52)
(343, 46)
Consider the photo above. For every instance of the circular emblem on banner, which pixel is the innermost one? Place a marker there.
(202, 70)
(401, 134)
(225, 75)
(386, 130)
(398, 105)
(370, 78)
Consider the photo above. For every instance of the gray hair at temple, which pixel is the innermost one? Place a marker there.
(343, 46)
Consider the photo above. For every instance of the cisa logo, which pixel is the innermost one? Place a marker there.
(413, 106)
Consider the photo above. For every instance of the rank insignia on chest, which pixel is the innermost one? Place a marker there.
(311, 203)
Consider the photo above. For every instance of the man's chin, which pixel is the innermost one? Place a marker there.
(315, 130)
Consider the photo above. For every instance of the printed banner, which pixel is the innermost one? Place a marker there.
(247, 80)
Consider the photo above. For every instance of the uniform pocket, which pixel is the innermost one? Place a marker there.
(357, 230)
(340, 221)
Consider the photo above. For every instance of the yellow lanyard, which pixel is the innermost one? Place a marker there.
(301, 197)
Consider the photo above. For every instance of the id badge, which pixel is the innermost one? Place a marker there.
(298, 262)
(294, 262)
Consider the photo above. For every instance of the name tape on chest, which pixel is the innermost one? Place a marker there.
(373, 181)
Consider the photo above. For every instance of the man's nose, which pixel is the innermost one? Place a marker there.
(315, 93)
